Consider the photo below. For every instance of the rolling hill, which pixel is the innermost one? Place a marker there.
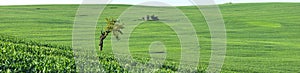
(261, 37)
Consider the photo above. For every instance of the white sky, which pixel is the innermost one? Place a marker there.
(171, 2)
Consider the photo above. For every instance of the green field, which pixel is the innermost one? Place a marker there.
(261, 37)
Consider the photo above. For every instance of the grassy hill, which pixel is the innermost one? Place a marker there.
(261, 37)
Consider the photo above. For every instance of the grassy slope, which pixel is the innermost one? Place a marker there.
(261, 37)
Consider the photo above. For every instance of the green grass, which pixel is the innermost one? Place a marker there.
(261, 37)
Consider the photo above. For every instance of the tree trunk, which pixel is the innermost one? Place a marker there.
(102, 37)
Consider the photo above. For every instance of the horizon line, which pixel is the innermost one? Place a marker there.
(142, 4)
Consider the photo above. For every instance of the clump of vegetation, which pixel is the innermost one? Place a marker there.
(18, 55)
(112, 25)
(28, 56)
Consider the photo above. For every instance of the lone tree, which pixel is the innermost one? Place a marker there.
(112, 25)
